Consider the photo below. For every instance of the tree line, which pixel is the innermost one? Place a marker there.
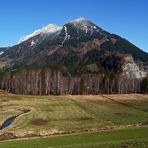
(45, 81)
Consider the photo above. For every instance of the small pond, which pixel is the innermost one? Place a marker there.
(7, 123)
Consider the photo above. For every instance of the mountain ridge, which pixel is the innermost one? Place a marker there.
(78, 49)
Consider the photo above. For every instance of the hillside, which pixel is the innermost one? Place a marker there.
(78, 58)
(54, 115)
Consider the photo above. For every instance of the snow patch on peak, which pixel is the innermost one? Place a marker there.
(50, 28)
(45, 30)
(29, 36)
(32, 43)
(79, 19)
(85, 25)
(1, 52)
(67, 36)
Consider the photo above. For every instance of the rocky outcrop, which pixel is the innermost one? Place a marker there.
(131, 70)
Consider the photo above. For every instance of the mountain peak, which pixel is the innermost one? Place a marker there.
(53, 60)
(50, 28)
(80, 19)
(83, 24)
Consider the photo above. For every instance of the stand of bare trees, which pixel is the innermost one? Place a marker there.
(54, 82)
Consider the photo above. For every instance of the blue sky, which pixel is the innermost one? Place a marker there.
(127, 18)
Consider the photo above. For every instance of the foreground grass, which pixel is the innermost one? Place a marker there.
(132, 138)
(50, 115)
(72, 114)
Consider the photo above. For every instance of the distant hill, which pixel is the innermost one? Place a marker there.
(77, 58)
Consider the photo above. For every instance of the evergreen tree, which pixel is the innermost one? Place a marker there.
(144, 85)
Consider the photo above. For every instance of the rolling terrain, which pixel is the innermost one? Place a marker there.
(100, 116)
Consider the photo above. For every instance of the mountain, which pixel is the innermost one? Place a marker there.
(49, 29)
(75, 58)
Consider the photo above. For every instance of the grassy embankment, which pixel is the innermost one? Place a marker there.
(75, 114)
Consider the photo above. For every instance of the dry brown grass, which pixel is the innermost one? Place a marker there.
(46, 115)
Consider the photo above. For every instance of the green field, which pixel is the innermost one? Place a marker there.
(111, 120)
(124, 138)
